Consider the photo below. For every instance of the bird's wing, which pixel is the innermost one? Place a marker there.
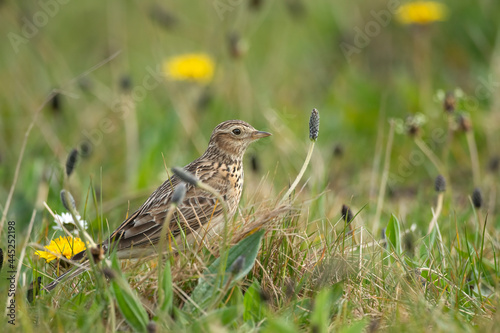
(198, 208)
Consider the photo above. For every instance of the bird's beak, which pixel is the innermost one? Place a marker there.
(260, 134)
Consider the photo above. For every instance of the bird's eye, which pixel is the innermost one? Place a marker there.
(236, 131)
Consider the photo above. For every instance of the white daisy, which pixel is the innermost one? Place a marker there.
(66, 218)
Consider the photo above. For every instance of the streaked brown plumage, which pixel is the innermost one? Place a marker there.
(199, 215)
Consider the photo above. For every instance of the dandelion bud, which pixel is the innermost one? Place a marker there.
(186, 176)
(477, 198)
(314, 125)
(237, 265)
(179, 194)
(449, 102)
(440, 184)
(346, 214)
(71, 161)
(68, 201)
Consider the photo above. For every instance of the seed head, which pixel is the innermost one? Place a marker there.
(440, 184)
(346, 214)
(186, 176)
(55, 102)
(179, 194)
(71, 161)
(152, 327)
(494, 164)
(109, 273)
(464, 123)
(338, 150)
(85, 149)
(237, 46)
(477, 198)
(68, 201)
(126, 83)
(314, 125)
(449, 102)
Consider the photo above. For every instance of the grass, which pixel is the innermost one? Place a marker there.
(87, 80)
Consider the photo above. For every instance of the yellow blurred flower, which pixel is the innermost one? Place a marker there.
(421, 12)
(192, 67)
(62, 246)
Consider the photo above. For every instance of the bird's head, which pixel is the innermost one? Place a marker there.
(232, 137)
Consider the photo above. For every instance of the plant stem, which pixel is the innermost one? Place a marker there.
(301, 173)
(385, 177)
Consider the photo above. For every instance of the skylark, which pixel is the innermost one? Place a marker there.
(199, 214)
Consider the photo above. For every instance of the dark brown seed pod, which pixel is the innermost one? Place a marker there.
(68, 201)
(494, 164)
(440, 184)
(255, 163)
(464, 123)
(125, 83)
(162, 17)
(71, 161)
(85, 149)
(449, 102)
(346, 214)
(314, 125)
(477, 198)
(109, 273)
(55, 102)
(338, 150)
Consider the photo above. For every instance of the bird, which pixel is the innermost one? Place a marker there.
(199, 215)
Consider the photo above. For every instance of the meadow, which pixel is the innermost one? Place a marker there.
(393, 225)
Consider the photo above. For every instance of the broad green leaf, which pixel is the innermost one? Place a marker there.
(279, 325)
(209, 285)
(253, 307)
(129, 304)
(323, 305)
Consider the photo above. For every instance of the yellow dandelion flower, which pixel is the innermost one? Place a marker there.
(421, 12)
(62, 246)
(197, 67)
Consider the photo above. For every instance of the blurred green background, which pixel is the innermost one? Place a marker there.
(274, 62)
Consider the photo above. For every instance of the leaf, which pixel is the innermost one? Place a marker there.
(252, 302)
(279, 325)
(323, 305)
(167, 294)
(357, 327)
(209, 284)
(393, 234)
(128, 303)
